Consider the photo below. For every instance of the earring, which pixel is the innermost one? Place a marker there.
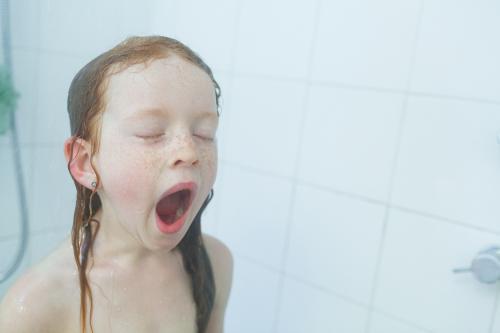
(93, 184)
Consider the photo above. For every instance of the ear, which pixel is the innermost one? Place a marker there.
(80, 166)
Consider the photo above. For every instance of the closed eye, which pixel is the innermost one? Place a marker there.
(205, 138)
(152, 137)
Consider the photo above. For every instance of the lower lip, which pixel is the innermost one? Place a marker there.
(171, 228)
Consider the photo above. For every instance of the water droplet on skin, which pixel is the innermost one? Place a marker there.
(20, 304)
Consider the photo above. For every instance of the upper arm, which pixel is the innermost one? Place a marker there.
(222, 266)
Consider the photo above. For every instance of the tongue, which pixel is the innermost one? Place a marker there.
(169, 206)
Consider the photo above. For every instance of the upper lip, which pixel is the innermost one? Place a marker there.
(187, 185)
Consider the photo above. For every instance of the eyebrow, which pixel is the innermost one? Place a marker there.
(156, 112)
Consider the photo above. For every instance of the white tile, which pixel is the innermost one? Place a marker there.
(263, 124)
(11, 189)
(54, 192)
(253, 214)
(449, 161)
(458, 49)
(225, 82)
(42, 244)
(55, 75)
(9, 195)
(334, 242)
(367, 43)
(209, 28)
(223, 136)
(25, 23)
(88, 29)
(210, 218)
(416, 282)
(349, 140)
(305, 309)
(8, 249)
(383, 324)
(274, 37)
(252, 301)
(495, 325)
(163, 17)
(25, 76)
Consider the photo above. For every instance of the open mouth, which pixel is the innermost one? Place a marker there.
(173, 207)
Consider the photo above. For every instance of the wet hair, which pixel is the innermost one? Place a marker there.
(86, 103)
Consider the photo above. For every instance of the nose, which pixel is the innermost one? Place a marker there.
(184, 152)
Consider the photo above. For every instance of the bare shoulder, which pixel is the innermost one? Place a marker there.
(221, 258)
(222, 266)
(35, 301)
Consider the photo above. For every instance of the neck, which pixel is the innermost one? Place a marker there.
(114, 244)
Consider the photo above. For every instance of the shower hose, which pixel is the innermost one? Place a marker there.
(22, 244)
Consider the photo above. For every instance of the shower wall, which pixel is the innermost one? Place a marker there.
(358, 154)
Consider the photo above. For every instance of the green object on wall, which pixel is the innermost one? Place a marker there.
(8, 99)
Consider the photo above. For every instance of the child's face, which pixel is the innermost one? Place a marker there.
(174, 100)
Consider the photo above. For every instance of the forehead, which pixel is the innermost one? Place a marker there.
(171, 84)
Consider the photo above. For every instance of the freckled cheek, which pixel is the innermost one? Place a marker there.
(128, 175)
(209, 156)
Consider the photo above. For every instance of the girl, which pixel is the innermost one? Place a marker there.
(143, 157)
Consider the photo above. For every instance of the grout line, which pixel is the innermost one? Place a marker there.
(289, 220)
(38, 232)
(239, 9)
(404, 110)
(329, 291)
(25, 48)
(402, 320)
(36, 97)
(376, 273)
(255, 170)
(69, 55)
(445, 219)
(454, 97)
(256, 262)
(296, 278)
(333, 84)
(227, 106)
(360, 197)
(360, 87)
(41, 144)
(224, 71)
(34, 135)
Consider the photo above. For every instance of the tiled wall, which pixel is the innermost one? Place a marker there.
(359, 162)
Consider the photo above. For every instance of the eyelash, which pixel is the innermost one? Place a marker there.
(152, 137)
